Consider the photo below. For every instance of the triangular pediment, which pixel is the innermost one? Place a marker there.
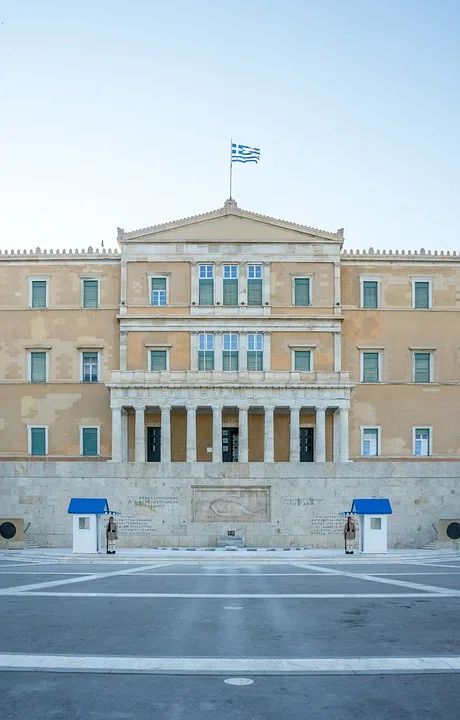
(229, 224)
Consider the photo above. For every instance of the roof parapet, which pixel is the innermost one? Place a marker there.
(421, 254)
(38, 252)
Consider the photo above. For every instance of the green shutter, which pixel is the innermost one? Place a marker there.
(38, 441)
(206, 360)
(302, 291)
(230, 360)
(255, 360)
(39, 293)
(89, 442)
(302, 360)
(38, 367)
(230, 296)
(370, 367)
(158, 360)
(158, 283)
(422, 362)
(254, 292)
(370, 294)
(422, 295)
(90, 294)
(206, 295)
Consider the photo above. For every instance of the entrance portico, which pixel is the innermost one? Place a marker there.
(229, 443)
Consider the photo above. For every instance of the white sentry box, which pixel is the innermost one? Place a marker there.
(87, 514)
(373, 526)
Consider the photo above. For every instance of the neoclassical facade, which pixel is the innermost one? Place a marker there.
(229, 337)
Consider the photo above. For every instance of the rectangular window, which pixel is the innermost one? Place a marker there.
(254, 284)
(230, 352)
(376, 523)
(38, 363)
(302, 291)
(39, 292)
(90, 293)
(370, 442)
(370, 294)
(158, 360)
(38, 441)
(158, 290)
(90, 366)
(83, 523)
(206, 285)
(422, 442)
(90, 441)
(422, 367)
(255, 351)
(370, 372)
(421, 290)
(230, 289)
(206, 352)
(302, 360)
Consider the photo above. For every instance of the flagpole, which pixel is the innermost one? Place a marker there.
(231, 165)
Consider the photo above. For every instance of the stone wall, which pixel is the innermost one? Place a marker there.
(191, 504)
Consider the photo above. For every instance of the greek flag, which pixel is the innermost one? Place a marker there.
(244, 153)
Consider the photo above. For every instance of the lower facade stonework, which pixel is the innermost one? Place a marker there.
(192, 504)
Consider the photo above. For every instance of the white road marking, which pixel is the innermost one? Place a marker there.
(190, 665)
(233, 607)
(227, 596)
(238, 681)
(238, 575)
(19, 589)
(35, 572)
(386, 581)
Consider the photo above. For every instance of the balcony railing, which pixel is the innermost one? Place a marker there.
(186, 378)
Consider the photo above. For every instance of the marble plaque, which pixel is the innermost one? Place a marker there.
(231, 504)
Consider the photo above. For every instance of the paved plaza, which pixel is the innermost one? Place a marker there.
(251, 637)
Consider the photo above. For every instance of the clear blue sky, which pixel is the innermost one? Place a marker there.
(120, 112)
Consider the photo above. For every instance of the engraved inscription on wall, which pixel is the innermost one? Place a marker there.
(135, 525)
(231, 504)
(328, 524)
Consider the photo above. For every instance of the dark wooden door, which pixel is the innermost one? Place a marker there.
(230, 444)
(153, 444)
(306, 445)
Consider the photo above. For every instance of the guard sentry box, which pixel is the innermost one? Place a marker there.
(373, 514)
(87, 522)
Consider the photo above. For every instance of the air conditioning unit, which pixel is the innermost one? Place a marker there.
(449, 530)
(11, 533)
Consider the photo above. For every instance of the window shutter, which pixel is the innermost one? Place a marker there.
(206, 360)
(230, 295)
(90, 294)
(90, 442)
(370, 367)
(255, 360)
(158, 360)
(302, 360)
(230, 360)
(302, 291)
(38, 441)
(422, 367)
(254, 292)
(158, 283)
(422, 295)
(39, 293)
(206, 295)
(370, 294)
(38, 367)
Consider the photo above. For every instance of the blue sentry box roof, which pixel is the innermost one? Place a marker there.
(88, 506)
(371, 506)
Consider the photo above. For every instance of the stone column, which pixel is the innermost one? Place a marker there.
(243, 445)
(123, 288)
(124, 435)
(343, 452)
(194, 351)
(194, 290)
(266, 284)
(191, 433)
(336, 434)
(218, 343)
(269, 435)
(217, 434)
(117, 439)
(294, 435)
(165, 433)
(267, 352)
(123, 349)
(242, 284)
(218, 284)
(337, 283)
(337, 352)
(139, 434)
(243, 351)
(320, 435)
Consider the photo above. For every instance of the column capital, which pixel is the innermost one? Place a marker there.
(243, 407)
(139, 406)
(165, 407)
(191, 407)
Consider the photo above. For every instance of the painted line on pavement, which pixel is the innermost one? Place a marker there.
(184, 665)
(255, 596)
(386, 581)
(19, 589)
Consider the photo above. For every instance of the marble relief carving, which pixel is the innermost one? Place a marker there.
(231, 504)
